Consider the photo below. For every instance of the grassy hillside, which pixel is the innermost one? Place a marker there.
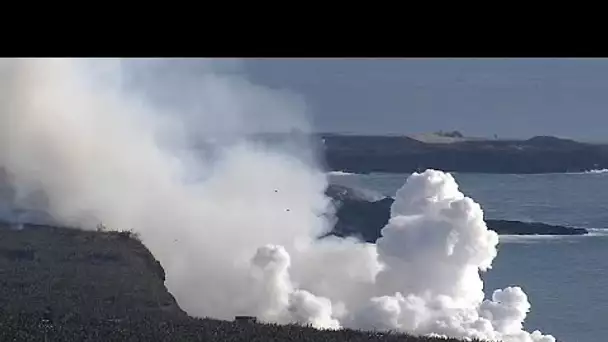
(60, 284)
(79, 273)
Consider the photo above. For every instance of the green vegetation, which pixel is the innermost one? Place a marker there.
(62, 284)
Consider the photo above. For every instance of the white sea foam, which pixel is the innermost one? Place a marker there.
(340, 173)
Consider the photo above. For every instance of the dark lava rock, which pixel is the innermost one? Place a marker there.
(532, 228)
(357, 216)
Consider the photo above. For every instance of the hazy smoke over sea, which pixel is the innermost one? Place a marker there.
(166, 148)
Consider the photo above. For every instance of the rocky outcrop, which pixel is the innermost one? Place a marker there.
(532, 228)
(364, 218)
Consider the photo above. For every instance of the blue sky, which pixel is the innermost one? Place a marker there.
(516, 98)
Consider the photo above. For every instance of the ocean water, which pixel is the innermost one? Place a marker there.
(566, 278)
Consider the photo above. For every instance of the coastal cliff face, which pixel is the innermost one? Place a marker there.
(72, 274)
(400, 154)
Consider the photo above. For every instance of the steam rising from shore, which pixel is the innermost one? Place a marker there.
(235, 224)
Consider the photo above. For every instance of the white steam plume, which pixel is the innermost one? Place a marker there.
(281, 302)
(102, 151)
(433, 249)
(235, 224)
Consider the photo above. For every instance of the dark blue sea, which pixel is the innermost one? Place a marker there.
(566, 278)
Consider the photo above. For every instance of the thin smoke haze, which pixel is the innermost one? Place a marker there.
(236, 223)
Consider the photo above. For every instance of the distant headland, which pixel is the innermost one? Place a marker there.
(453, 152)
